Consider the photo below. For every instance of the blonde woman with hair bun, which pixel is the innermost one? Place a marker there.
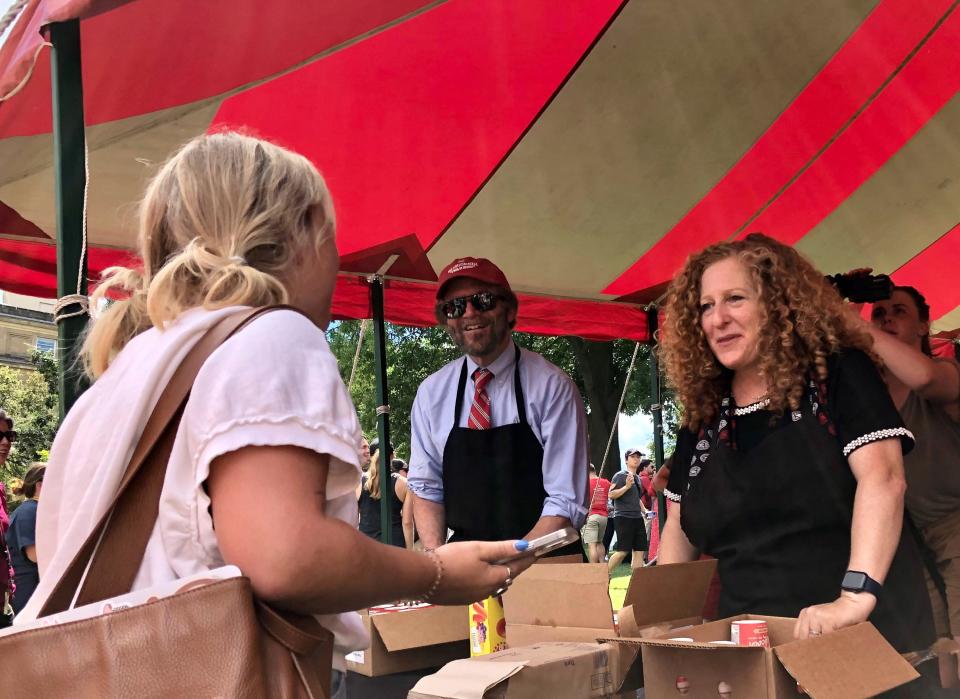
(265, 464)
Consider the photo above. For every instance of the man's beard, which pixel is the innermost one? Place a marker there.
(498, 331)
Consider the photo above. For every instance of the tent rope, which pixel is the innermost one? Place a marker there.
(10, 16)
(77, 299)
(616, 420)
(356, 355)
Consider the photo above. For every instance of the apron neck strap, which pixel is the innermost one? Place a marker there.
(518, 389)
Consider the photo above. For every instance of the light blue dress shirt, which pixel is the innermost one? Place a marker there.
(554, 411)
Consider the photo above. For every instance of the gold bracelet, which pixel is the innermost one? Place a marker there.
(428, 596)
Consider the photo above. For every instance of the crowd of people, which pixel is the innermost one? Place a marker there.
(815, 462)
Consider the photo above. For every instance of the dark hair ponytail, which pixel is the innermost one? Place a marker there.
(28, 486)
(923, 311)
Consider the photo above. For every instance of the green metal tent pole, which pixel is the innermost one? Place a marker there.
(383, 406)
(69, 158)
(653, 325)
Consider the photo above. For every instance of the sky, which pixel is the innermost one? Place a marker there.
(635, 431)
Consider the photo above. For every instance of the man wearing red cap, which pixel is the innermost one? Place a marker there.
(498, 438)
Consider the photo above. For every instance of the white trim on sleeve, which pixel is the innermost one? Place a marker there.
(670, 495)
(877, 436)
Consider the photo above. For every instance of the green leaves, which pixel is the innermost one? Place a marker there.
(30, 398)
(412, 355)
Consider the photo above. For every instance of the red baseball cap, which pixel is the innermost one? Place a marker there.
(479, 268)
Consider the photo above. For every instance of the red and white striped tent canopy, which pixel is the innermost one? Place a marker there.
(586, 146)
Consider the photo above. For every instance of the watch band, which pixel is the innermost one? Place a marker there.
(858, 581)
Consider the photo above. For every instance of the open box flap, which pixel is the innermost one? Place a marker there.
(569, 595)
(422, 627)
(556, 669)
(465, 679)
(852, 662)
(664, 592)
(630, 629)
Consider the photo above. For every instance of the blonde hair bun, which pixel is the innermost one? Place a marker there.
(221, 224)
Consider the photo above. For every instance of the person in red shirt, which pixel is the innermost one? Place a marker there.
(648, 496)
(596, 524)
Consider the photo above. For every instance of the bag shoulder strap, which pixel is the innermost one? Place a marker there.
(114, 549)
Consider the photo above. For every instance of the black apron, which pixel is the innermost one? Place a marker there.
(493, 478)
(778, 520)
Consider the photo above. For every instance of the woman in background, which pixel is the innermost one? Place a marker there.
(22, 536)
(926, 390)
(368, 498)
(7, 438)
(398, 470)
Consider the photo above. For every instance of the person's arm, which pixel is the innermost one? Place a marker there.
(425, 476)
(937, 380)
(299, 559)
(875, 534)
(406, 512)
(561, 423)
(26, 526)
(661, 477)
(617, 493)
(675, 547)
(547, 524)
(430, 519)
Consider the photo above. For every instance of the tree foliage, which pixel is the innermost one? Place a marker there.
(598, 368)
(30, 398)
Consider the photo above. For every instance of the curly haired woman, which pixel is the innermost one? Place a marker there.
(790, 468)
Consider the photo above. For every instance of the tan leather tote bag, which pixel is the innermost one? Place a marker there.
(216, 640)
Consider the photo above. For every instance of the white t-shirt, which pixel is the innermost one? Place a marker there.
(274, 383)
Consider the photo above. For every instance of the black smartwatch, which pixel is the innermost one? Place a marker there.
(857, 581)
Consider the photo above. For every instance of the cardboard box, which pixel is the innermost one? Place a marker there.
(850, 663)
(946, 653)
(563, 670)
(571, 602)
(411, 638)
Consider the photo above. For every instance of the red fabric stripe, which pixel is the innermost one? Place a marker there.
(29, 268)
(911, 99)
(411, 303)
(190, 50)
(407, 125)
(934, 273)
(857, 70)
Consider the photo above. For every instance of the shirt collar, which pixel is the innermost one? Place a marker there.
(500, 366)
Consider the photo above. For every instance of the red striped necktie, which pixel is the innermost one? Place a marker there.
(480, 410)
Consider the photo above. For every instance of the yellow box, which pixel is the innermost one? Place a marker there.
(488, 628)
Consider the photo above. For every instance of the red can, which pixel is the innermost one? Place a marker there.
(750, 632)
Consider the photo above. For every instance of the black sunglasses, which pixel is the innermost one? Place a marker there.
(10, 435)
(483, 301)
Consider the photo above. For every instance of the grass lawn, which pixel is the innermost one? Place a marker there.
(618, 585)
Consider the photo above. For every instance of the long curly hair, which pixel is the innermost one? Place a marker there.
(802, 322)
